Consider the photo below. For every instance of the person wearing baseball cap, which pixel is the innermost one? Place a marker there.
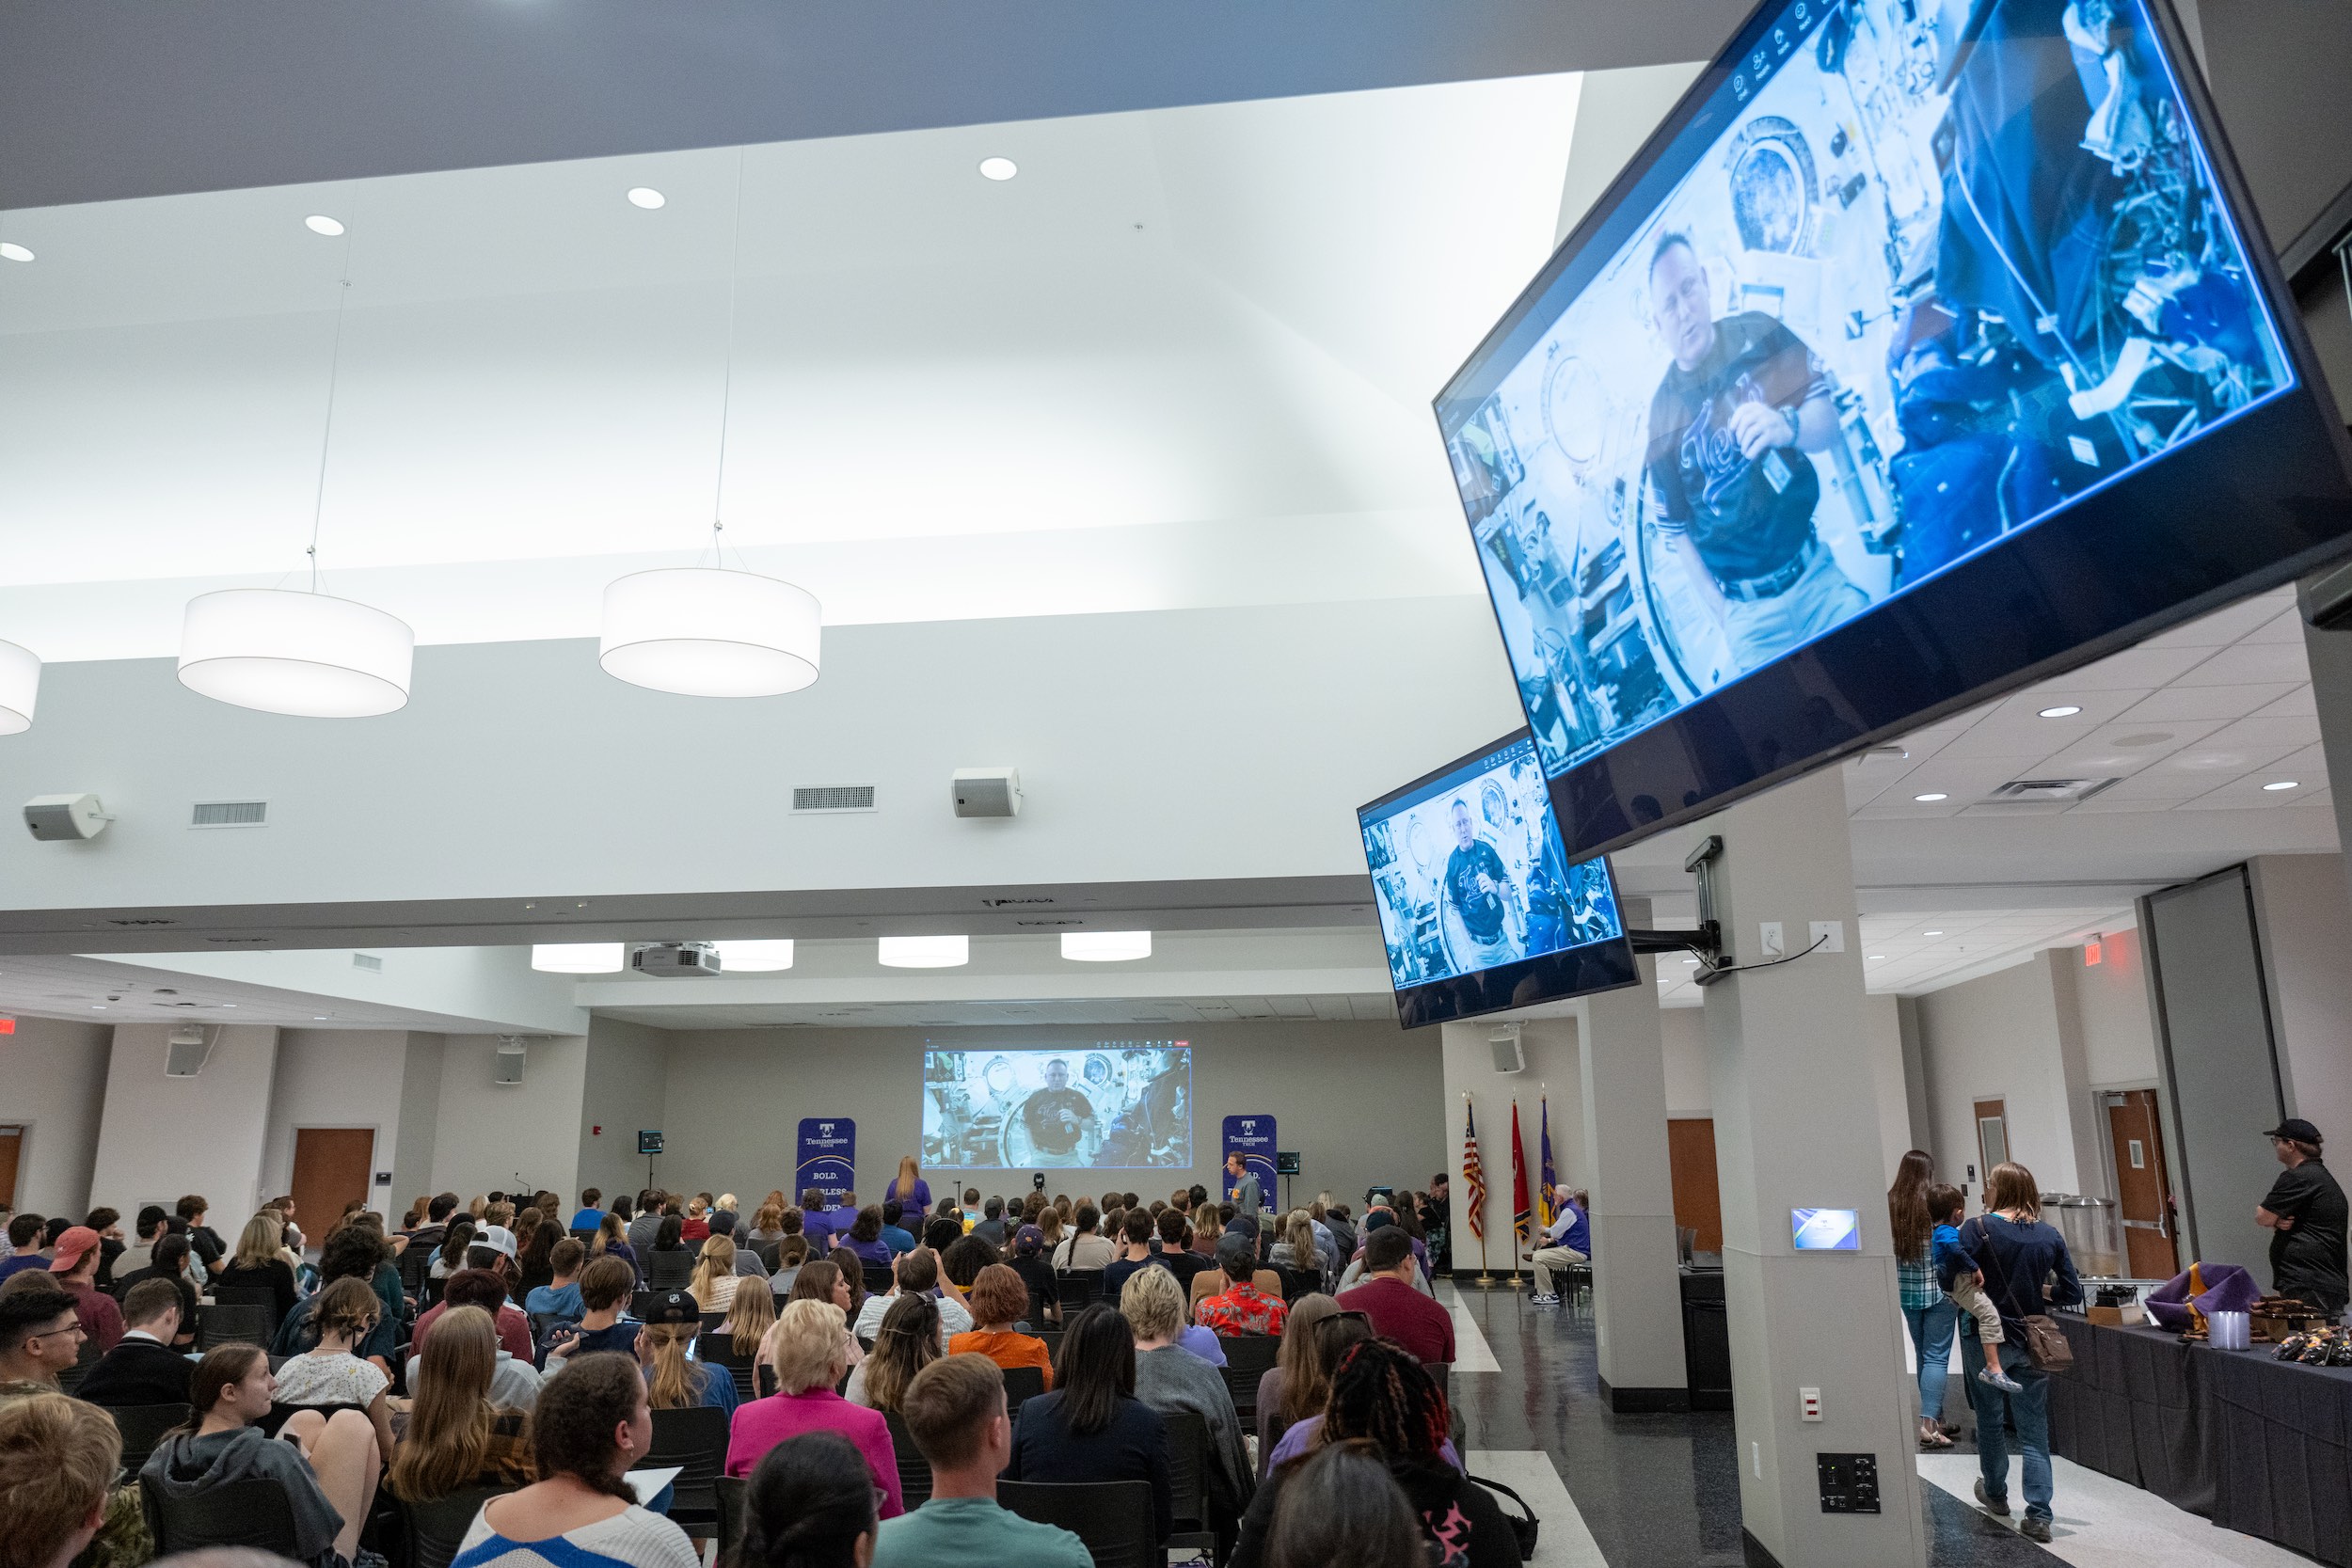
(75, 1267)
(2306, 1215)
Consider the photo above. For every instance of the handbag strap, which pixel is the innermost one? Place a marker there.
(1984, 1249)
(1498, 1486)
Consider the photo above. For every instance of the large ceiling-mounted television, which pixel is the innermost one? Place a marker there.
(1928, 349)
(1479, 907)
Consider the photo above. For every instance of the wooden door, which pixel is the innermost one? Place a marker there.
(2143, 1192)
(11, 1145)
(331, 1166)
(1698, 1202)
(1992, 1138)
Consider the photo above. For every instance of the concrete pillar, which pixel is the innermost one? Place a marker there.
(1797, 1126)
(160, 1138)
(1637, 1291)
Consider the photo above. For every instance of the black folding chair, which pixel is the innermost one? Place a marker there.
(414, 1265)
(915, 1471)
(668, 1271)
(142, 1426)
(237, 1513)
(766, 1381)
(1022, 1382)
(585, 1237)
(1299, 1282)
(769, 1252)
(228, 1323)
(734, 1498)
(878, 1279)
(717, 1351)
(1078, 1288)
(70, 1378)
(1187, 1480)
(695, 1439)
(1248, 1357)
(1112, 1517)
(433, 1532)
(1053, 1342)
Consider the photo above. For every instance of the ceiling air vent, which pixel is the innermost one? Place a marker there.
(2046, 793)
(230, 813)
(369, 961)
(807, 799)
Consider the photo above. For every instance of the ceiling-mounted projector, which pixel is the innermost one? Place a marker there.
(673, 961)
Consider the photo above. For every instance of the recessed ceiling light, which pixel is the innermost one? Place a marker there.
(1877, 956)
(1931, 933)
(763, 956)
(924, 952)
(998, 169)
(2064, 710)
(11, 251)
(1105, 947)
(647, 197)
(98, 1006)
(319, 223)
(579, 958)
(2283, 784)
(1931, 797)
(318, 1018)
(1690, 963)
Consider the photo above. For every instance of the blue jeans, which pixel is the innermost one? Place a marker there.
(2031, 1409)
(1932, 1329)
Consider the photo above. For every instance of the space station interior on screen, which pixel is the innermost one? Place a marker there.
(1472, 877)
(1950, 264)
(1112, 1106)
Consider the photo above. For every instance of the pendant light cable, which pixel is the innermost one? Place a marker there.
(326, 430)
(726, 377)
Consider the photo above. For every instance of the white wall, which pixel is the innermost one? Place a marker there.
(162, 1137)
(2119, 1036)
(53, 1079)
(488, 1134)
(2305, 920)
(1997, 1036)
(1356, 1100)
(626, 1080)
(1685, 1032)
(1550, 1047)
(420, 1118)
(336, 1078)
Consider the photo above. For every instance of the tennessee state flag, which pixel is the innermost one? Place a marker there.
(1522, 1217)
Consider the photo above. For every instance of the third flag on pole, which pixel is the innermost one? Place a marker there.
(1546, 1211)
(1522, 1215)
(1473, 1172)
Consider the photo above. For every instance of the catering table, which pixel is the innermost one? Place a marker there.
(2257, 1445)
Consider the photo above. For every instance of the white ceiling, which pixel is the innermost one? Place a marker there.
(106, 991)
(1176, 329)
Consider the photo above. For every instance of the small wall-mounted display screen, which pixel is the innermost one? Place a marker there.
(1826, 1230)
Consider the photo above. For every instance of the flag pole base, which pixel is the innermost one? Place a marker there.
(1485, 1282)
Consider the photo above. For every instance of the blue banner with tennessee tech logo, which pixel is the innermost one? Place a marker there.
(828, 1157)
(1252, 1138)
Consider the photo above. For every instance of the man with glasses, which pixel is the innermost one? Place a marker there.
(40, 1336)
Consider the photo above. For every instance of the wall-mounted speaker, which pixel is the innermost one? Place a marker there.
(1504, 1043)
(187, 1048)
(507, 1067)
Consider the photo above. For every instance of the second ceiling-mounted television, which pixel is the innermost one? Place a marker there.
(1479, 907)
(1929, 348)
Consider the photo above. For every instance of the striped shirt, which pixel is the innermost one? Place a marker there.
(632, 1538)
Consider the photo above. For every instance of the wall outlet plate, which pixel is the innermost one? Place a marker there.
(1831, 934)
(1770, 942)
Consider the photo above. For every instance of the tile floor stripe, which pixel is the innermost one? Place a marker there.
(2102, 1523)
(1471, 1354)
(1564, 1542)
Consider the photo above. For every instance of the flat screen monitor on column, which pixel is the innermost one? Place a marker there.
(1928, 349)
(1479, 907)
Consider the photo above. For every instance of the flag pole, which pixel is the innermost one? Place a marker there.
(1485, 1276)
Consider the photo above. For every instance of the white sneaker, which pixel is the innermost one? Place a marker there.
(1543, 1299)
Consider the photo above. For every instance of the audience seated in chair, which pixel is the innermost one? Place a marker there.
(464, 1430)
(1333, 1339)
(481, 1288)
(168, 1261)
(905, 1341)
(1383, 1397)
(326, 1465)
(1176, 1254)
(330, 1373)
(593, 1422)
(142, 1369)
(1091, 1427)
(810, 1504)
(41, 1333)
(1397, 1308)
(73, 1265)
(559, 1297)
(917, 1273)
(811, 1350)
(1169, 1377)
(605, 1288)
(1134, 1237)
(57, 1461)
(714, 1280)
(1295, 1386)
(998, 1301)
(1241, 1307)
(1343, 1506)
(673, 1381)
(1083, 1248)
(955, 1409)
(1296, 1251)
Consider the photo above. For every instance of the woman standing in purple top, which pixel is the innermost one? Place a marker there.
(912, 1193)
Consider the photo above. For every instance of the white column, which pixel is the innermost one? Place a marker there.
(1637, 1290)
(1797, 1126)
(160, 1138)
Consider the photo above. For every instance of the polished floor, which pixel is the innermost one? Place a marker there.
(1662, 1491)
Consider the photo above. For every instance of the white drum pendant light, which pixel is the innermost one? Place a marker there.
(295, 651)
(713, 631)
(706, 631)
(284, 651)
(20, 684)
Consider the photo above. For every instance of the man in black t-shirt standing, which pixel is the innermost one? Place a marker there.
(1733, 491)
(2305, 1213)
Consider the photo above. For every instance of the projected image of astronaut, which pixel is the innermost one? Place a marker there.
(1156, 1128)
(1479, 895)
(1058, 1120)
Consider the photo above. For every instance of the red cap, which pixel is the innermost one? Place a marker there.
(77, 1241)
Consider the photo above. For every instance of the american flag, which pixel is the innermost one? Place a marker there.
(1473, 1173)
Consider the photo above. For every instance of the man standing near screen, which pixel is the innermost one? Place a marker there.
(1474, 879)
(1058, 1117)
(1744, 399)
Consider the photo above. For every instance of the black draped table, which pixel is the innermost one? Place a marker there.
(2255, 1444)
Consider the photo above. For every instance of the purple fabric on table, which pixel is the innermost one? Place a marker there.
(2228, 1289)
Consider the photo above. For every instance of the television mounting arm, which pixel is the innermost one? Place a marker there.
(1707, 939)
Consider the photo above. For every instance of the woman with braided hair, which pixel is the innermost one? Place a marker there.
(1382, 1397)
(810, 1505)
